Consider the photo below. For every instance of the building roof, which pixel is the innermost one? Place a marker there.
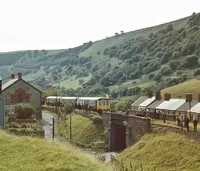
(9, 83)
(171, 104)
(139, 101)
(13, 81)
(196, 108)
(155, 104)
(148, 101)
(185, 106)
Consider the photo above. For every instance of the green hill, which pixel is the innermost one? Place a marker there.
(169, 152)
(191, 86)
(154, 57)
(28, 154)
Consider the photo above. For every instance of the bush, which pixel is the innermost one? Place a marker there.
(69, 108)
(197, 72)
(23, 111)
(190, 61)
(173, 64)
(166, 71)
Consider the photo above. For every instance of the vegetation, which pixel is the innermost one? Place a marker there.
(155, 54)
(81, 131)
(23, 153)
(23, 111)
(170, 151)
(191, 86)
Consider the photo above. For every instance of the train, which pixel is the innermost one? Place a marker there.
(93, 103)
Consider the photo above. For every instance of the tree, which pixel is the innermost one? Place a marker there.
(191, 61)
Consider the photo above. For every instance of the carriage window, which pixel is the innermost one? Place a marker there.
(100, 103)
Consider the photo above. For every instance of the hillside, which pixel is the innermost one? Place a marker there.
(81, 131)
(124, 64)
(22, 153)
(191, 86)
(169, 152)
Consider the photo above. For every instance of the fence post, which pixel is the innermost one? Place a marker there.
(53, 129)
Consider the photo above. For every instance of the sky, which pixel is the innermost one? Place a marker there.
(62, 24)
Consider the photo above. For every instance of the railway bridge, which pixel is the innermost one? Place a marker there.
(123, 130)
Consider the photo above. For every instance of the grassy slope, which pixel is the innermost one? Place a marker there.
(23, 153)
(171, 151)
(191, 86)
(84, 131)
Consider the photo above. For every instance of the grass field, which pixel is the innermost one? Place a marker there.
(84, 132)
(162, 152)
(191, 86)
(29, 154)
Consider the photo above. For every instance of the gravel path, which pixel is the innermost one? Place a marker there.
(46, 123)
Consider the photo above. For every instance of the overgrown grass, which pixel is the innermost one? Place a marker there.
(171, 151)
(191, 86)
(29, 154)
(84, 132)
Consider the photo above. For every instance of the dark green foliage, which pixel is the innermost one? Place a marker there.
(174, 64)
(197, 72)
(158, 77)
(166, 56)
(92, 81)
(179, 72)
(166, 71)
(190, 61)
(23, 111)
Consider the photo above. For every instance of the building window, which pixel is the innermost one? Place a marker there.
(20, 98)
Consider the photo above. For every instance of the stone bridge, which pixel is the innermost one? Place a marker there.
(123, 131)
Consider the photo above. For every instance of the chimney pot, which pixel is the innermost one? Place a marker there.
(12, 76)
(150, 94)
(19, 75)
(167, 96)
(188, 97)
(199, 97)
(158, 95)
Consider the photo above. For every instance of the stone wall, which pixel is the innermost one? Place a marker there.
(136, 127)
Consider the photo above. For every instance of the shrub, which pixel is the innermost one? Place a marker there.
(190, 61)
(197, 72)
(173, 64)
(68, 108)
(166, 71)
(23, 111)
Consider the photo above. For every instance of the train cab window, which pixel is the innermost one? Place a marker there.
(106, 102)
(100, 103)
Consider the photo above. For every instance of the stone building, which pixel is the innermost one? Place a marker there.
(17, 91)
(2, 108)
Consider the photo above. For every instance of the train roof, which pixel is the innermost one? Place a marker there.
(53, 97)
(92, 98)
(69, 98)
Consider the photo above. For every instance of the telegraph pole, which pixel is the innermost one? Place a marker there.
(70, 126)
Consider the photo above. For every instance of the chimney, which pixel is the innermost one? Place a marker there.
(167, 96)
(19, 75)
(0, 86)
(150, 94)
(188, 97)
(12, 76)
(199, 97)
(158, 95)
